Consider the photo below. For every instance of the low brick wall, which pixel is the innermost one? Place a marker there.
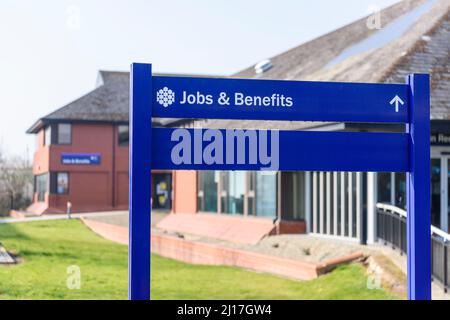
(108, 231)
(289, 227)
(202, 253)
(210, 254)
(17, 214)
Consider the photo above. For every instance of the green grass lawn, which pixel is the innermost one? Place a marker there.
(47, 248)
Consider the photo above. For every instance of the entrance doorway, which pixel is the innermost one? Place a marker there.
(162, 191)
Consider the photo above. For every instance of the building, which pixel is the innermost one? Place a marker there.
(82, 153)
(414, 37)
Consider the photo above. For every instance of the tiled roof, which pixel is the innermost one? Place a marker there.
(431, 54)
(414, 38)
(356, 53)
(109, 102)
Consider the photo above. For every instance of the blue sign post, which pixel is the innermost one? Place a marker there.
(214, 98)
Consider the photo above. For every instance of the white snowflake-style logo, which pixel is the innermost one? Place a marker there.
(165, 97)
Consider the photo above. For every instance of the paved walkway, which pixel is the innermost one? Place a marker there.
(121, 219)
(64, 216)
(400, 261)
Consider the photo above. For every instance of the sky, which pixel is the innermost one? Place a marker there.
(51, 50)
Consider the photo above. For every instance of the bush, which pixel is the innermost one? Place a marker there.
(16, 182)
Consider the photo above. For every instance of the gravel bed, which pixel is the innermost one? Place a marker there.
(299, 247)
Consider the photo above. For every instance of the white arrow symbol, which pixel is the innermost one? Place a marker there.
(397, 101)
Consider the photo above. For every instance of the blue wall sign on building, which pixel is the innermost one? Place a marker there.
(81, 159)
(227, 149)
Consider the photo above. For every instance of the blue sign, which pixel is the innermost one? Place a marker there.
(216, 98)
(231, 149)
(80, 159)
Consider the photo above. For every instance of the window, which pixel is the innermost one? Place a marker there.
(207, 191)
(62, 183)
(392, 188)
(124, 136)
(59, 183)
(47, 136)
(64, 133)
(266, 194)
(251, 182)
(436, 191)
(241, 193)
(292, 195)
(233, 192)
(400, 189)
(384, 187)
(41, 186)
(237, 193)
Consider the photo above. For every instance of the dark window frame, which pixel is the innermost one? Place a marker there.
(57, 136)
(123, 143)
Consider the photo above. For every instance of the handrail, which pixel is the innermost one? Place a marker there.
(402, 212)
(390, 207)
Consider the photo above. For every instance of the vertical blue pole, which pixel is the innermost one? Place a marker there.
(140, 184)
(418, 189)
